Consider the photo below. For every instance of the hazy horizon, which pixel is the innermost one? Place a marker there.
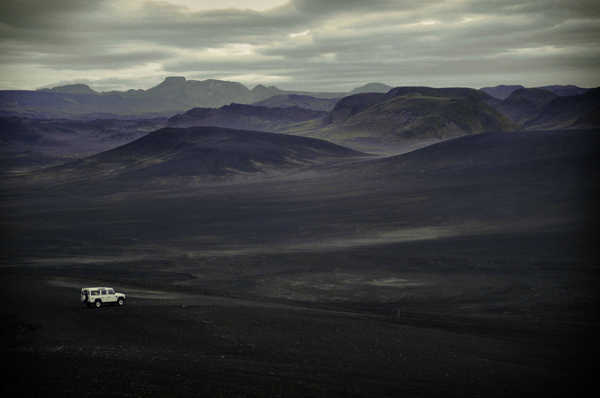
(90, 84)
(299, 44)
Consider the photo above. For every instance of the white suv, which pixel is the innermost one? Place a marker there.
(97, 296)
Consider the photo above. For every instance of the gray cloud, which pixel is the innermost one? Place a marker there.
(34, 13)
(99, 61)
(308, 44)
(329, 7)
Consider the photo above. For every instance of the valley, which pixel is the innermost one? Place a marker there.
(465, 267)
(417, 241)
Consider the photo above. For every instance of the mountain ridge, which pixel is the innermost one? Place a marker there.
(525, 103)
(175, 94)
(302, 101)
(246, 117)
(567, 112)
(504, 91)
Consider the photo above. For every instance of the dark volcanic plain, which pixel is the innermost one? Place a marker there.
(466, 268)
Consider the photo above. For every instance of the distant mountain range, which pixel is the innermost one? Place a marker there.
(174, 95)
(524, 103)
(401, 114)
(46, 128)
(71, 89)
(503, 92)
(540, 109)
(371, 88)
(247, 117)
(297, 100)
(578, 111)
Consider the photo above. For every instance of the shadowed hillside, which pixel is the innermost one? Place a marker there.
(503, 92)
(565, 90)
(34, 142)
(484, 152)
(524, 104)
(203, 152)
(301, 101)
(246, 117)
(353, 104)
(567, 112)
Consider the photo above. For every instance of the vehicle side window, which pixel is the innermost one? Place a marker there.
(85, 292)
(103, 291)
(111, 291)
(94, 292)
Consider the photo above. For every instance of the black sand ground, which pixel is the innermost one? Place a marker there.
(363, 280)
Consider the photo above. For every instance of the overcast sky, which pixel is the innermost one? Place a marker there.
(299, 44)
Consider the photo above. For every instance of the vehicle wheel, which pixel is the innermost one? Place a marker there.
(121, 302)
(98, 303)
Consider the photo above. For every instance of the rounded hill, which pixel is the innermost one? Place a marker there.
(412, 114)
(206, 152)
